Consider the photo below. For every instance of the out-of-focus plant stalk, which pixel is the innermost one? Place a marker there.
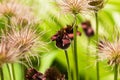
(8, 24)
(2, 75)
(88, 43)
(10, 75)
(97, 38)
(68, 65)
(75, 47)
(116, 72)
(13, 71)
(23, 70)
(9, 21)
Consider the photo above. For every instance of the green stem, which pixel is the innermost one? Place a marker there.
(73, 70)
(97, 64)
(9, 71)
(13, 72)
(116, 72)
(2, 75)
(68, 65)
(75, 48)
(7, 26)
(23, 70)
(88, 43)
(9, 21)
(87, 75)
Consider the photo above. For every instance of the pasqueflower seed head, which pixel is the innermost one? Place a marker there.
(16, 12)
(16, 43)
(24, 38)
(72, 6)
(8, 53)
(110, 51)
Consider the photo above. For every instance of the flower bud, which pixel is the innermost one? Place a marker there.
(86, 26)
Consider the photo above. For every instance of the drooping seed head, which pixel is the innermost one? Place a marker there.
(87, 28)
(96, 5)
(64, 36)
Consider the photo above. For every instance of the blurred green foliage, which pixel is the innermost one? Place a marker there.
(51, 21)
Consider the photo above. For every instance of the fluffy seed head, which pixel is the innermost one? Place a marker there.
(8, 53)
(110, 51)
(72, 6)
(19, 44)
(16, 12)
(24, 39)
(9, 9)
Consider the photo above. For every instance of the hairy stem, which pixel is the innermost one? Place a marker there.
(13, 72)
(9, 71)
(97, 38)
(116, 72)
(68, 65)
(75, 49)
(87, 75)
(2, 75)
(23, 70)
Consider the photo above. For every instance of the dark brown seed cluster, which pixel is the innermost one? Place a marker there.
(33, 74)
(96, 5)
(50, 74)
(86, 26)
(64, 36)
(53, 74)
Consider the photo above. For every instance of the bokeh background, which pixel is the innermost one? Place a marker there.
(51, 21)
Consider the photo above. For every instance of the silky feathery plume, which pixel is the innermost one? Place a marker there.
(20, 33)
(87, 28)
(72, 6)
(23, 20)
(24, 38)
(110, 51)
(20, 44)
(8, 53)
(25, 17)
(8, 9)
(16, 12)
(64, 36)
(27, 40)
(96, 5)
